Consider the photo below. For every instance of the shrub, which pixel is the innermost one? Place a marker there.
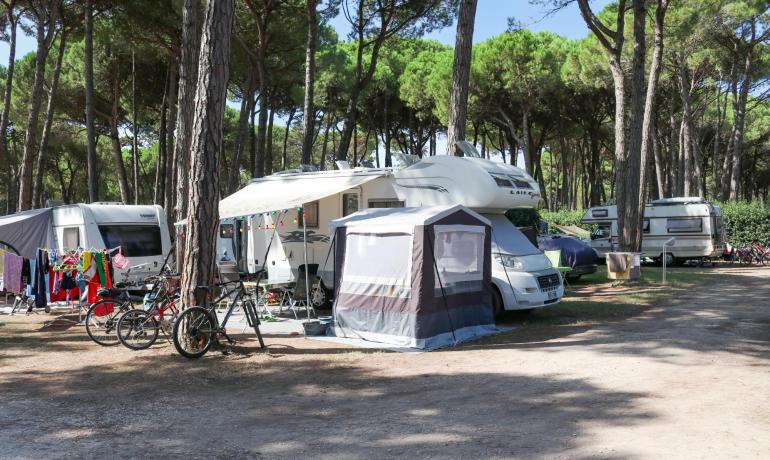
(745, 222)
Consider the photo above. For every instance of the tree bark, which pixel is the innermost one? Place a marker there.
(44, 15)
(739, 110)
(117, 151)
(93, 179)
(160, 162)
(210, 99)
(284, 159)
(308, 121)
(37, 196)
(5, 158)
(269, 144)
(461, 70)
(134, 132)
(168, 189)
(188, 81)
(241, 136)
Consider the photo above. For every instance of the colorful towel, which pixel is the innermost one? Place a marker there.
(12, 272)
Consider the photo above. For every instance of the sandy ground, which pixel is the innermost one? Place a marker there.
(688, 377)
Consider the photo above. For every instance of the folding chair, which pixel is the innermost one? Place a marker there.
(298, 295)
(554, 257)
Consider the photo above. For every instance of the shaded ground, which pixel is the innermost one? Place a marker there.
(640, 371)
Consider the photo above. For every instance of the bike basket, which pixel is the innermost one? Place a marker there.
(104, 309)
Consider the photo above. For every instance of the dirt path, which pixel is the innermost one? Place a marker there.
(689, 377)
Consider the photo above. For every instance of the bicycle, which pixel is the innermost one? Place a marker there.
(139, 329)
(198, 328)
(102, 317)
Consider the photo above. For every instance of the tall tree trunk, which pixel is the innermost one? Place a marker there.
(649, 116)
(5, 157)
(168, 189)
(210, 99)
(134, 132)
(37, 196)
(188, 82)
(308, 121)
(117, 151)
(93, 177)
(284, 159)
(461, 70)
(30, 139)
(241, 136)
(739, 110)
(269, 144)
(324, 151)
(160, 163)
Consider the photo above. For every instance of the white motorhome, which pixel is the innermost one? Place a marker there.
(691, 224)
(265, 218)
(141, 231)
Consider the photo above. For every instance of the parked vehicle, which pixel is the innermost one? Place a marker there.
(575, 253)
(141, 232)
(694, 224)
(263, 222)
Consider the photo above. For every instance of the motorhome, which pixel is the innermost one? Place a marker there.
(141, 232)
(690, 227)
(282, 220)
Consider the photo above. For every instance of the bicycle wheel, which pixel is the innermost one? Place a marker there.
(137, 330)
(194, 332)
(102, 321)
(766, 258)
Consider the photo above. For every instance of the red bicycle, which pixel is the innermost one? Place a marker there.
(139, 329)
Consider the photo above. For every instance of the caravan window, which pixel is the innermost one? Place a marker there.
(386, 203)
(71, 238)
(226, 231)
(685, 225)
(310, 215)
(602, 231)
(135, 240)
(646, 226)
(349, 203)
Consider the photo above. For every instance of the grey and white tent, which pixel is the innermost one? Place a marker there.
(413, 277)
(26, 231)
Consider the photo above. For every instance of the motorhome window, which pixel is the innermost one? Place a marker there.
(602, 231)
(71, 238)
(226, 230)
(599, 213)
(349, 203)
(135, 240)
(386, 203)
(311, 213)
(502, 181)
(646, 226)
(520, 183)
(685, 225)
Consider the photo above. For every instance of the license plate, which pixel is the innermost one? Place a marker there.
(551, 295)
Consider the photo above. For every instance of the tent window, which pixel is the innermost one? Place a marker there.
(685, 225)
(386, 203)
(71, 238)
(349, 203)
(459, 260)
(311, 211)
(377, 264)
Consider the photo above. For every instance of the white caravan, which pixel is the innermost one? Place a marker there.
(694, 224)
(141, 231)
(523, 277)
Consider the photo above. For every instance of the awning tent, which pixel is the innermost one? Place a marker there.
(413, 277)
(284, 192)
(27, 231)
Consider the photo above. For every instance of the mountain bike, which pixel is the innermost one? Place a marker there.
(102, 318)
(198, 328)
(138, 329)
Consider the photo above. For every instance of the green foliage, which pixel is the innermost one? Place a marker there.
(745, 222)
(564, 218)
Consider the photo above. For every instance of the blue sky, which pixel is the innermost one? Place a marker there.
(491, 19)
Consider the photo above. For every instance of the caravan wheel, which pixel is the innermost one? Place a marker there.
(669, 259)
(497, 303)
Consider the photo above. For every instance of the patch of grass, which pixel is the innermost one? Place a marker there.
(574, 311)
(652, 274)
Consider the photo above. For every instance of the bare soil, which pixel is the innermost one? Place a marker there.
(611, 373)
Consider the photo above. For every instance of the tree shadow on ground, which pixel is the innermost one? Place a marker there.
(286, 409)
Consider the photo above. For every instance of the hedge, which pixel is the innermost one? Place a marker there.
(744, 221)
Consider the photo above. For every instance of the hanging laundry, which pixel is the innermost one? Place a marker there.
(39, 289)
(12, 273)
(2, 266)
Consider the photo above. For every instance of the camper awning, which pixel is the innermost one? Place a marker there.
(283, 192)
(27, 231)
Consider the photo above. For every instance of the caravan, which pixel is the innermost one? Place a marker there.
(141, 232)
(691, 224)
(281, 220)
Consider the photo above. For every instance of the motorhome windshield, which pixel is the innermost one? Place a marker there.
(134, 240)
(507, 239)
